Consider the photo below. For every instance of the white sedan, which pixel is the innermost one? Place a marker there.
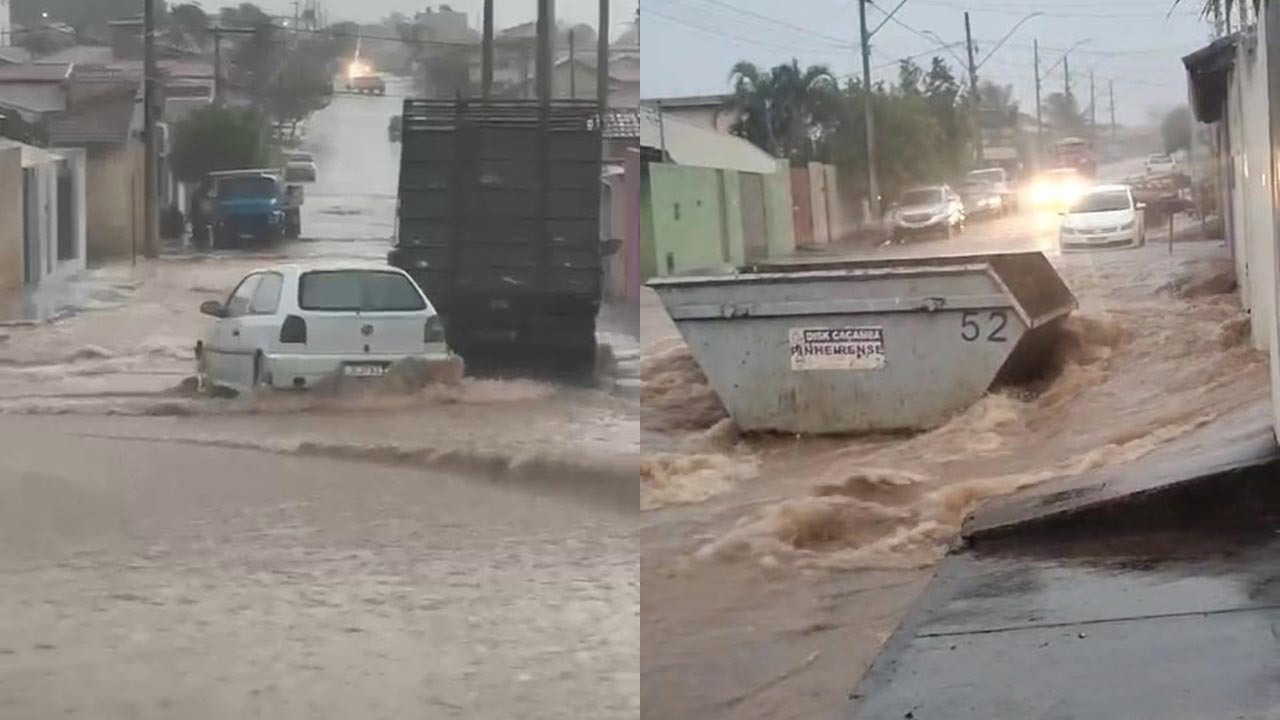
(1104, 216)
(1161, 163)
(289, 327)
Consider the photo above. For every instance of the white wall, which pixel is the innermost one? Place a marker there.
(1255, 178)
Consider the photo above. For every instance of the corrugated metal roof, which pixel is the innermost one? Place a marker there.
(35, 72)
(108, 119)
(688, 144)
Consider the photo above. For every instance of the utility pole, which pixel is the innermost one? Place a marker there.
(602, 57)
(1039, 122)
(873, 182)
(1066, 75)
(217, 66)
(573, 72)
(975, 107)
(546, 40)
(1111, 90)
(150, 173)
(486, 52)
(1093, 109)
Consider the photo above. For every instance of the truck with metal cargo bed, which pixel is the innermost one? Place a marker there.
(499, 222)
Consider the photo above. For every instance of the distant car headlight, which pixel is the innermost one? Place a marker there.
(1041, 192)
(1069, 192)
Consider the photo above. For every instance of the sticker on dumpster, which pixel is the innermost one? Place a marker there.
(847, 348)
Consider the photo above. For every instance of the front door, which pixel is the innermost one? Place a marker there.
(225, 356)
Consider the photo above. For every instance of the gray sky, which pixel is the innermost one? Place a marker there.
(506, 12)
(689, 45)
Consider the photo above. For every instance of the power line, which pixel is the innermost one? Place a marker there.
(1160, 12)
(752, 26)
(776, 21)
(647, 9)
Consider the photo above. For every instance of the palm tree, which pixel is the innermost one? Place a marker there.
(1219, 9)
(785, 111)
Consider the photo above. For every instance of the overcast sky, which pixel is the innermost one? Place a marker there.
(689, 45)
(506, 12)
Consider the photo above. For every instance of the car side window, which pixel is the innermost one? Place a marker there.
(242, 296)
(266, 298)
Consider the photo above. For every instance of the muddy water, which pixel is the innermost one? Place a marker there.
(1158, 348)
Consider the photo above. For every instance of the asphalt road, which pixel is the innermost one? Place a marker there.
(144, 579)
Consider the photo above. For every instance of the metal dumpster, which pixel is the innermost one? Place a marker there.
(857, 346)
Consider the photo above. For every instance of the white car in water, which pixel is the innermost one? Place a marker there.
(300, 167)
(1104, 216)
(289, 327)
(1161, 163)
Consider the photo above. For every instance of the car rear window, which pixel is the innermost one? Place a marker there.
(358, 290)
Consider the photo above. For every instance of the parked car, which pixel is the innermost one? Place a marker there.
(289, 327)
(982, 200)
(367, 85)
(927, 210)
(1105, 216)
(1001, 181)
(300, 167)
(1161, 163)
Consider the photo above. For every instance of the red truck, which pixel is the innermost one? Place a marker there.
(1074, 153)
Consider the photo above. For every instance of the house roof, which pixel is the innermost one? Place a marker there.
(691, 101)
(689, 144)
(14, 56)
(44, 72)
(106, 118)
(621, 124)
(104, 57)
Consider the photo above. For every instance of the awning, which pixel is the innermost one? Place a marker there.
(1208, 70)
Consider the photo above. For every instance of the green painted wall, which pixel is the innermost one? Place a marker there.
(696, 218)
(782, 231)
(648, 250)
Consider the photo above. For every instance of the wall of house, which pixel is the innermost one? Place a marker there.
(115, 202)
(1255, 186)
(648, 244)
(818, 203)
(777, 191)
(77, 163)
(697, 218)
(10, 207)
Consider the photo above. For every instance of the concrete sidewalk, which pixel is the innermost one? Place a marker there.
(1147, 590)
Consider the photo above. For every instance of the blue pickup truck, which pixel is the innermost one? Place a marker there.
(241, 207)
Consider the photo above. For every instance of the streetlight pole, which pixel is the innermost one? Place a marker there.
(974, 106)
(873, 183)
(1039, 121)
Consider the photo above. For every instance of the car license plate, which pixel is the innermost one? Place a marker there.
(364, 370)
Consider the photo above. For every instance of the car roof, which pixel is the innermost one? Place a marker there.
(1114, 187)
(326, 265)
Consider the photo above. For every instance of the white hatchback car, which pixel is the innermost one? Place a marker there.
(289, 327)
(1104, 216)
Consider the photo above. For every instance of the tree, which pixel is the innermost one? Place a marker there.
(245, 15)
(212, 139)
(952, 126)
(44, 41)
(302, 84)
(1063, 114)
(1176, 130)
(910, 76)
(86, 16)
(189, 19)
(786, 111)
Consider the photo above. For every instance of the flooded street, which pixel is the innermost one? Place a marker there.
(778, 565)
(146, 579)
(383, 549)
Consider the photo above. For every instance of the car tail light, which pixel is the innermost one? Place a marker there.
(434, 331)
(294, 330)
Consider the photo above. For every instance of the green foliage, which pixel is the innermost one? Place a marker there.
(1063, 114)
(787, 111)
(922, 123)
(244, 15)
(1176, 130)
(189, 19)
(86, 16)
(214, 138)
(44, 42)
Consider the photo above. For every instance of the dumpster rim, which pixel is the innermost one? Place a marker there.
(771, 277)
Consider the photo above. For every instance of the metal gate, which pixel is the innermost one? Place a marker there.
(755, 232)
(31, 222)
